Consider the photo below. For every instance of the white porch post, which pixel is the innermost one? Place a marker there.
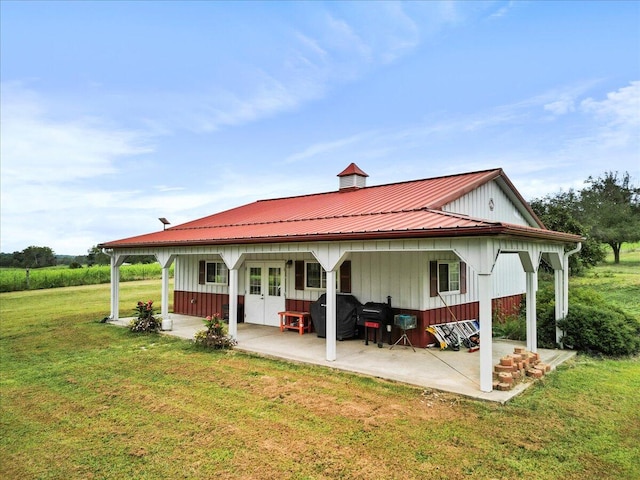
(486, 341)
(233, 303)
(165, 259)
(167, 323)
(559, 297)
(532, 332)
(331, 316)
(115, 286)
(482, 256)
(233, 259)
(330, 257)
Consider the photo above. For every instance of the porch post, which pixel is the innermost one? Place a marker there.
(165, 258)
(331, 316)
(115, 286)
(559, 297)
(486, 342)
(167, 323)
(233, 303)
(532, 332)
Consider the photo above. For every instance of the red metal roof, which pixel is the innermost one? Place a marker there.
(406, 209)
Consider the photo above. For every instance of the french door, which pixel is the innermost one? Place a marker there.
(264, 296)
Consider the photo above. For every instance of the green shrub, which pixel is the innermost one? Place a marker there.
(592, 325)
(601, 329)
(512, 327)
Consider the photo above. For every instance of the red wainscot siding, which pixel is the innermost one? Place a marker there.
(199, 304)
(292, 305)
(419, 337)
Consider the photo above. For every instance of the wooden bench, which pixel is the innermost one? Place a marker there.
(300, 321)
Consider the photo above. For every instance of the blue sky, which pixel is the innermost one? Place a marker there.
(117, 113)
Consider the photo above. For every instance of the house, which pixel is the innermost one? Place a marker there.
(461, 245)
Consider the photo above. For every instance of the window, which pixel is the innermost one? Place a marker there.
(448, 277)
(275, 281)
(217, 272)
(315, 276)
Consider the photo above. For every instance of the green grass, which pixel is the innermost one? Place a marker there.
(619, 283)
(81, 399)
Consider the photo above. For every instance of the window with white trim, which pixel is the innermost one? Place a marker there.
(315, 276)
(217, 273)
(448, 277)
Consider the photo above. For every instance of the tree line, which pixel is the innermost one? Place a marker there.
(38, 257)
(605, 212)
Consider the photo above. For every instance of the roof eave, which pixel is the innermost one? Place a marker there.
(490, 230)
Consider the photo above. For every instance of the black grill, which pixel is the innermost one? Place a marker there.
(346, 316)
(377, 316)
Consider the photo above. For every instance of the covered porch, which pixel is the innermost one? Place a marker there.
(480, 253)
(446, 370)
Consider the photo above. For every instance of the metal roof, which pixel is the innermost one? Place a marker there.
(405, 209)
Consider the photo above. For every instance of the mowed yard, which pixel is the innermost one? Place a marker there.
(82, 399)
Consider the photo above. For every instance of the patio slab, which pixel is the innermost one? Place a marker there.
(446, 370)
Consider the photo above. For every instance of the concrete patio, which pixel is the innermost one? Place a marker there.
(446, 370)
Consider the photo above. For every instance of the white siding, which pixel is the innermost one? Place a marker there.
(508, 276)
(477, 204)
(187, 275)
(374, 276)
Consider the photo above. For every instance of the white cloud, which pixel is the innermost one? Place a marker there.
(620, 108)
(327, 147)
(561, 107)
(40, 149)
(503, 10)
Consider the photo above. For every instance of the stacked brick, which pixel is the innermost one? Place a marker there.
(516, 367)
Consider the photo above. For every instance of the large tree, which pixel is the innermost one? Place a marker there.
(610, 208)
(35, 257)
(559, 212)
(96, 256)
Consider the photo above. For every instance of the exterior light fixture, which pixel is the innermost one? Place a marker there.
(165, 222)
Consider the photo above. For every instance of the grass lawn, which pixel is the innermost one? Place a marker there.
(619, 284)
(81, 399)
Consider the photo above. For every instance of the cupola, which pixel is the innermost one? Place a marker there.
(352, 177)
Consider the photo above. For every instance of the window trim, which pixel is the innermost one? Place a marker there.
(434, 284)
(323, 277)
(343, 279)
(453, 268)
(206, 271)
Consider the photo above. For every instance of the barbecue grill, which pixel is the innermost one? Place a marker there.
(346, 312)
(376, 316)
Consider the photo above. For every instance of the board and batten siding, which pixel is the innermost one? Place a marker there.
(477, 204)
(374, 275)
(187, 275)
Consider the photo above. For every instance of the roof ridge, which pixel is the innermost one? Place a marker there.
(497, 171)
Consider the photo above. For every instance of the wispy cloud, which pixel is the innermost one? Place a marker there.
(39, 148)
(511, 136)
(621, 107)
(332, 50)
(327, 147)
(503, 10)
